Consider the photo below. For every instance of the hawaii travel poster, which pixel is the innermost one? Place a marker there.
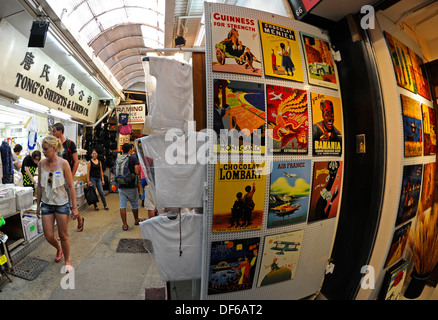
(239, 116)
(289, 193)
(321, 69)
(410, 192)
(412, 126)
(327, 125)
(288, 118)
(232, 265)
(401, 61)
(281, 52)
(235, 44)
(281, 253)
(239, 196)
(429, 128)
(326, 187)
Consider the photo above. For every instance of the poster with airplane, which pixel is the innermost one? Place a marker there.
(281, 253)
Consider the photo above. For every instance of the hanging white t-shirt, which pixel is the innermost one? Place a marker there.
(179, 176)
(164, 235)
(174, 93)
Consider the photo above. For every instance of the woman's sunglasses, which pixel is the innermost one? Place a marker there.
(50, 178)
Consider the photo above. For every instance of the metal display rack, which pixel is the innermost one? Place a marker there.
(319, 235)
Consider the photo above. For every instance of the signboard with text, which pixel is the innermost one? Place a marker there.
(136, 112)
(31, 74)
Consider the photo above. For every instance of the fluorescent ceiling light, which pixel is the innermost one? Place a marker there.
(33, 106)
(59, 114)
(200, 36)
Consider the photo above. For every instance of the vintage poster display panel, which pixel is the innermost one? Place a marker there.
(327, 125)
(235, 44)
(289, 193)
(410, 192)
(281, 253)
(398, 244)
(239, 116)
(429, 175)
(401, 60)
(429, 128)
(232, 265)
(421, 80)
(288, 118)
(412, 126)
(326, 187)
(281, 52)
(393, 283)
(239, 196)
(321, 69)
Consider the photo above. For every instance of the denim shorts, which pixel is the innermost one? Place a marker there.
(47, 209)
(130, 194)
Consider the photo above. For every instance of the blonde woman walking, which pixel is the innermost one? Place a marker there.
(52, 198)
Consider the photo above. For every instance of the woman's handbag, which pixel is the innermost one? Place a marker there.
(91, 195)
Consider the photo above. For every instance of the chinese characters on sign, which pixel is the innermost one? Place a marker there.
(40, 87)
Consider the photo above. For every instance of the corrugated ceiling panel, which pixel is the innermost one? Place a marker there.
(99, 6)
(126, 78)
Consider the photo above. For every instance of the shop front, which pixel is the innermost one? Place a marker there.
(35, 93)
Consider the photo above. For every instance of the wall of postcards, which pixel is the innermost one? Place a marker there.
(271, 208)
(411, 108)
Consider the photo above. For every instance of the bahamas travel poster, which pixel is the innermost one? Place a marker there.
(326, 187)
(321, 69)
(239, 196)
(281, 52)
(281, 253)
(239, 116)
(288, 118)
(232, 265)
(235, 44)
(289, 193)
(412, 126)
(327, 125)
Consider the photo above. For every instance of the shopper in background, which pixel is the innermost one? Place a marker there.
(6, 163)
(146, 197)
(29, 167)
(16, 160)
(52, 199)
(70, 154)
(96, 178)
(129, 192)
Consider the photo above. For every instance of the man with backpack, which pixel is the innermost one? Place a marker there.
(127, 168)
(70, 154)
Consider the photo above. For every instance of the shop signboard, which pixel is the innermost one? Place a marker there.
(31, 74)
(136, 112)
